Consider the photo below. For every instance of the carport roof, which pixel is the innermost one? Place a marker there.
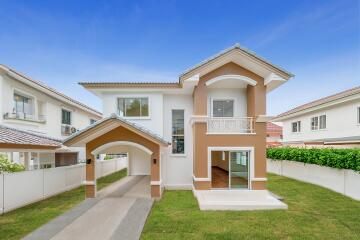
(155, 137)
(16, 138)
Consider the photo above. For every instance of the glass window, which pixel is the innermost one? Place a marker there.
(178, 141)
(358, 114)
(296, 126)
(22, 104)
(133, 107)
(322, 120)
(65, 117)
(223, 108)
(314, 123)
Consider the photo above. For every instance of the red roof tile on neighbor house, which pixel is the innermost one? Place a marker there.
(273, 129)
(9, 135)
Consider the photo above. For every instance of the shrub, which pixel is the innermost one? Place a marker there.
(8, 166)
(335, 158)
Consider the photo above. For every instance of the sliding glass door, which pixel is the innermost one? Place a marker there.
(239, 169)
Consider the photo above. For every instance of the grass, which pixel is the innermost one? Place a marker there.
(314, 213)
(18, 223)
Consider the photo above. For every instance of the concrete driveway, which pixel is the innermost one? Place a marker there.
(118, 212)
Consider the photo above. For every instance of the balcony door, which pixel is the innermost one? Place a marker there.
(239, 162)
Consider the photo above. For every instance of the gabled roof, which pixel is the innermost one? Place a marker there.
(319, 103)
(244, 50)
(249, 54)
(54, 93)
(114, 117)
(16, 137)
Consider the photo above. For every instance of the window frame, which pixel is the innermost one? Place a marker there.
(358, 115)
(172, 135)
(31, 103)
(298, 127)
(222, 99)
(133, 97)
(318, 126)
(71, 118)
(322, 128)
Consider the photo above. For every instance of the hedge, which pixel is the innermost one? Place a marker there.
(335, 158)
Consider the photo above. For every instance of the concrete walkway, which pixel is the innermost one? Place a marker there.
(118, 212)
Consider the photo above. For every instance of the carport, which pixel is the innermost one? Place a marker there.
(116, 132)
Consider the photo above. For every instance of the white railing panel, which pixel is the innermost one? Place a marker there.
(230, 125)
(54, 181)
(22, 188)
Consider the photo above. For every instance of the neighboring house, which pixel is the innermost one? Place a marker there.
(37, 146)
(333, 121)
(30, 105)
(205, 132)
(274, 134)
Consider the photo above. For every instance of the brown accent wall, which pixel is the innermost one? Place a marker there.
(123, 134)
(256, 105)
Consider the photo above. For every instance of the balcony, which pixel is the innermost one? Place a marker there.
(25, 117)
(230, 125)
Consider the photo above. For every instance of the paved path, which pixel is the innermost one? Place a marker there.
(118, 212)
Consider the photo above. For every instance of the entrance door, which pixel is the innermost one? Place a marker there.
(239, 169)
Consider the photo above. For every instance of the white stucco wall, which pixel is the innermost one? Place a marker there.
(237, 94)
(341, 121)
(139, 162)
(155, 108)
(176, 170)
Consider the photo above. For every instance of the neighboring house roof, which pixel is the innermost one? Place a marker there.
(60, 96)
(125, 122)
(244, 50)
(12, 136)
(319, 102)
(273, 129)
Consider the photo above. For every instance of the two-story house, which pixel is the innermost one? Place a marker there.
(333, 121)
(206, 132)
(30, 105)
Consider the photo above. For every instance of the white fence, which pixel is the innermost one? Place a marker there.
(22, 188)
(343, 181)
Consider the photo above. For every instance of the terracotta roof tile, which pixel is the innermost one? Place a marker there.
(11, 135)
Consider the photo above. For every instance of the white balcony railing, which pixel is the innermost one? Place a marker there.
(26, 117)
(231, 125)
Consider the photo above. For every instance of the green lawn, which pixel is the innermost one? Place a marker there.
(314, 213)
(18, 223)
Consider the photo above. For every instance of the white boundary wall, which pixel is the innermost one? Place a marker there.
(22, 188)
(343, 181)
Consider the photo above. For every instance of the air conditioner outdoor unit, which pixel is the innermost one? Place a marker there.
(66, 129)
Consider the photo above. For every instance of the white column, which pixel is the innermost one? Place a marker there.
(27, 157)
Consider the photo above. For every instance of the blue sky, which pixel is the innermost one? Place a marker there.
(64, 42)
